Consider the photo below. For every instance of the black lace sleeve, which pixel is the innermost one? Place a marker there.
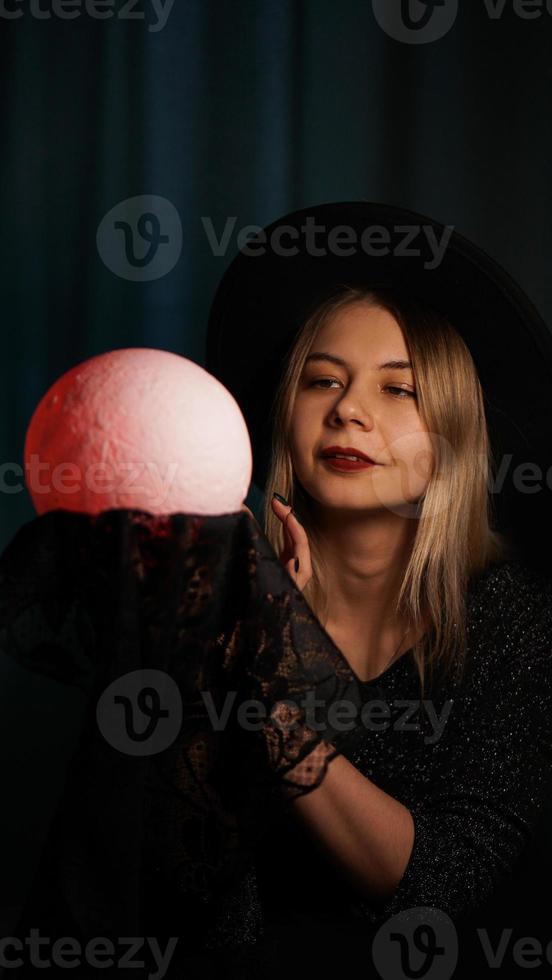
(176, 657)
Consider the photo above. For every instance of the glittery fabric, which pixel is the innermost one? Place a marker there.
(478, 793)
(199, 841)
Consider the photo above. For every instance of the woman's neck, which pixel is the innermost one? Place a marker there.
(363, 563)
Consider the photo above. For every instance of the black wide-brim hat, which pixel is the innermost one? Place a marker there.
(277, 280)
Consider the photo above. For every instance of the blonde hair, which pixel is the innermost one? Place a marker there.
(454, 537)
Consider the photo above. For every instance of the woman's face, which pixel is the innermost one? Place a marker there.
(362, 405)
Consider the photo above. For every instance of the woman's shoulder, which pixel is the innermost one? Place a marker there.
(510, 604)
(513, 573)
(512, 578)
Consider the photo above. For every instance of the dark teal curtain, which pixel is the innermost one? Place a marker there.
(242, 109)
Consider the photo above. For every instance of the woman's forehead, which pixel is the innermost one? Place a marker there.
(361, 333)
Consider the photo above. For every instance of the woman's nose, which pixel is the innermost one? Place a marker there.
(351, 408)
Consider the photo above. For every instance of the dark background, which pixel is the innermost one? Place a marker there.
(243, 109)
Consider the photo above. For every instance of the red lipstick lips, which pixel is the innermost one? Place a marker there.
(334, 456)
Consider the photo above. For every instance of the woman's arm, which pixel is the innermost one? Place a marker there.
(365, 832)
(458, 841)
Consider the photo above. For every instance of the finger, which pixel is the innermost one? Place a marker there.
(292, 570)
(290, 521)
(288, 538)
(297, 544)
(296, 529)
(297, 547)
(301, 545)
(282, 511)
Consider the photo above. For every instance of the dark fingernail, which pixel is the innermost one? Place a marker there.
(296, 565)
(281, 499)
(296, 515)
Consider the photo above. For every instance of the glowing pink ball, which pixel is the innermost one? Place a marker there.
(138, 428)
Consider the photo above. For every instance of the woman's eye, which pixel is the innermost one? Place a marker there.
(322, 380)
(402, 392)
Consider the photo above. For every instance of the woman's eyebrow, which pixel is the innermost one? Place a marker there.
(398, 365)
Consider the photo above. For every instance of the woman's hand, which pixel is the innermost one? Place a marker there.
(295, 556)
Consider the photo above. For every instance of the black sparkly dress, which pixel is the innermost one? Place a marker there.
(141, 809)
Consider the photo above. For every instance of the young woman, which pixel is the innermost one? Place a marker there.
(354, 386)
(378, 503)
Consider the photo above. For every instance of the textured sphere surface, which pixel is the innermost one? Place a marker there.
(138, 428)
